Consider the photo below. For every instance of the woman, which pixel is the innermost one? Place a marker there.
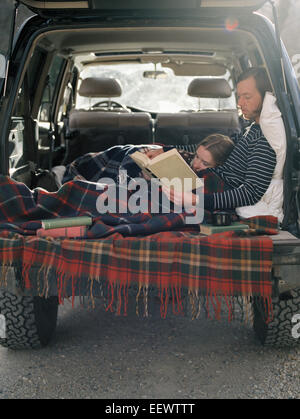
(211, 152)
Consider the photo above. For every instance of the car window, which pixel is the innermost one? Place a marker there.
(163, 94)
(50, 87)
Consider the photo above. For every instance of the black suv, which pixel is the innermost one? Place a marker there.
(79, 76)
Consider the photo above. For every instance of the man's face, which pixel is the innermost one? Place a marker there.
(249, 99)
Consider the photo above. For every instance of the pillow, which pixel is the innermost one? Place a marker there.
(272, 126)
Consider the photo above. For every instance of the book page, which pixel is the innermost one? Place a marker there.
(140, 158)
(171, 166)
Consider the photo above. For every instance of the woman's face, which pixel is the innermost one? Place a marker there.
(203, 159)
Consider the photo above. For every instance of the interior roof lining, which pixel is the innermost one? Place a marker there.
(82, 41)
(241, 41)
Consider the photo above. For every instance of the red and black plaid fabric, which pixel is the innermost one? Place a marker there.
(21, 210)
(212, 182)
(129, 250)
(220, 266)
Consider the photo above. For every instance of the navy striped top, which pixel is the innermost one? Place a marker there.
(247, 171)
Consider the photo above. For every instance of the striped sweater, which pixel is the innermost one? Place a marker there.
(247, 171)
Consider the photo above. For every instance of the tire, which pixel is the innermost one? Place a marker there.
(279, 331)
(27, 322)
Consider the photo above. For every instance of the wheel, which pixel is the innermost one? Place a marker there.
(279, 331)
(26, 322)
(108, 104)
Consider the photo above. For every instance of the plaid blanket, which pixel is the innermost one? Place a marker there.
(176, 264)
(106, 164)
(21, 210)
(141, 250)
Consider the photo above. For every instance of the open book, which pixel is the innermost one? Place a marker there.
(170, 168)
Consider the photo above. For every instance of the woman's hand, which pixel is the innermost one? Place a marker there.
(185, 199)
(154, 152)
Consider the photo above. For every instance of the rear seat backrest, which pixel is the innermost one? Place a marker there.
(99, 131)
(190, 128)
(187, 129)
(94, 130)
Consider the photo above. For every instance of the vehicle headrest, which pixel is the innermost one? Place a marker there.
(100, 87)
(207, 87)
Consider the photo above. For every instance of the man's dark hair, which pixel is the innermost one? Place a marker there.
(261, 78)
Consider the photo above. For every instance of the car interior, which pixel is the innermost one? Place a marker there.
(57, 129)
(80, 77)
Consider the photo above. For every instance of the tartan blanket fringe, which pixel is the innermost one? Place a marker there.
(115, 297)
(188, 272)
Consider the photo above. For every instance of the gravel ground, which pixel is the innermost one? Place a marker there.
(96, 354)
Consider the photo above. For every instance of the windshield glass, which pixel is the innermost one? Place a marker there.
(166, 93)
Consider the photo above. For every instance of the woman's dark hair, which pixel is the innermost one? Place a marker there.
(261, 78)
(220, 146)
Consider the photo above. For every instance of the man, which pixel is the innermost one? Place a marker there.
(248, 170)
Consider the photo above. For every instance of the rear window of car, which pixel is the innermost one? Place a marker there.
(166, 93)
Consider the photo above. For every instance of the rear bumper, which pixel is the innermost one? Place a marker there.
(286, 261)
